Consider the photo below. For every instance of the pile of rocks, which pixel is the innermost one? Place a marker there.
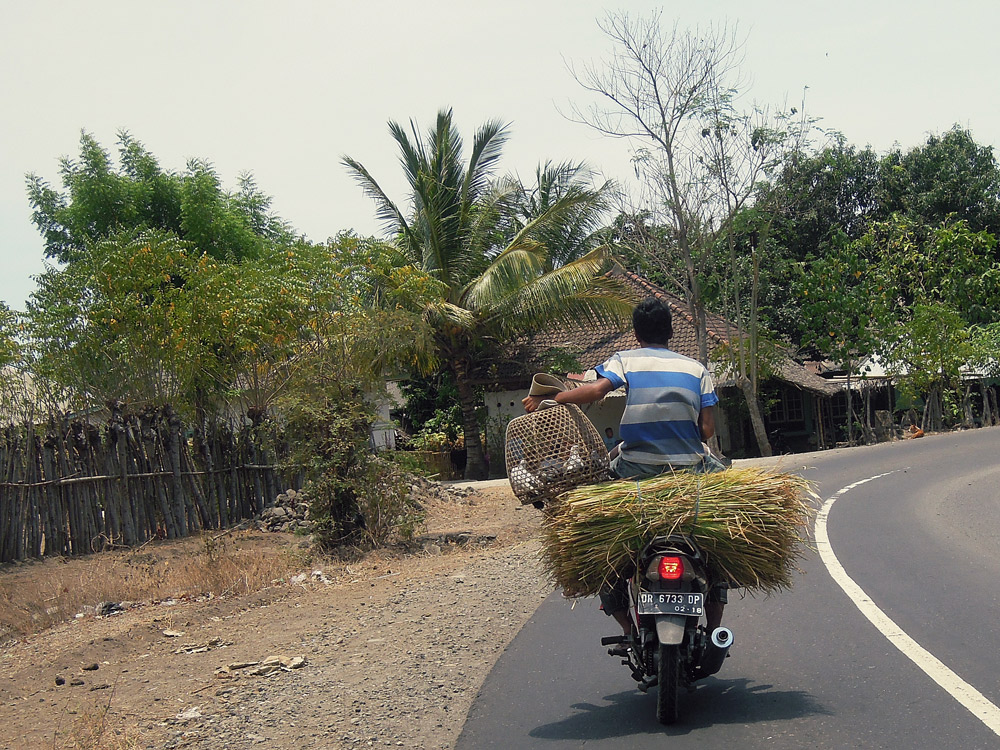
(289, 513)
(422, 489)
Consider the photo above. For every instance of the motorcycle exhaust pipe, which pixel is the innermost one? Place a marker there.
(716, 651)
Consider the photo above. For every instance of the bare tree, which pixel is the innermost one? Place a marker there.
(652, 90)
(673, 93)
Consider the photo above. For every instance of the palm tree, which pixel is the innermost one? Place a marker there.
(578, 230)
(490, 266)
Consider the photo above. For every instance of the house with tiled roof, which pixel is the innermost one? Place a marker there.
(798, 411)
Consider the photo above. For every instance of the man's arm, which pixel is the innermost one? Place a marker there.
(585, 394)
(706, 422)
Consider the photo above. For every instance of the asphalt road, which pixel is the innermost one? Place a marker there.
(808, 669)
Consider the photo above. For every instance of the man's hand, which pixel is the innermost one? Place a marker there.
(531, 403)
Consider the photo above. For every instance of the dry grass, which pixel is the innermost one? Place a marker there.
(99, 728)
(36, 595)
(751, 524)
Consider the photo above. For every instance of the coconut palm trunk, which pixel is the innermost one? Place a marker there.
(476, 466)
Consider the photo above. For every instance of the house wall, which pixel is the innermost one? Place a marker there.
(505, 405)
(383, 432)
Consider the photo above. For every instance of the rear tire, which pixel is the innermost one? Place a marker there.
(668, 674)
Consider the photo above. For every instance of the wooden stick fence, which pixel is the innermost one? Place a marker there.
(76, 488)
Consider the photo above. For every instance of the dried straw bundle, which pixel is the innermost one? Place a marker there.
(749, 522)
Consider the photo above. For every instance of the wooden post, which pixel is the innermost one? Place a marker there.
(173, 446)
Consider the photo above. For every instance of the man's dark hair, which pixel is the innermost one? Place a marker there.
(652, 321)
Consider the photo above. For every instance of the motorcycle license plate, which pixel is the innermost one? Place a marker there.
(667, 603)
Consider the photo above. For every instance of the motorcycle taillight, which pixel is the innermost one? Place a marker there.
(670, 568)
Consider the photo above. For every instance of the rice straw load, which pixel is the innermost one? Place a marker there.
(749, 522)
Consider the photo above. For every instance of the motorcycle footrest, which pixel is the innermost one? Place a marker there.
(613, 640)
(647, 682)
(618, 651)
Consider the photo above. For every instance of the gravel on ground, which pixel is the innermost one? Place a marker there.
(387, 651)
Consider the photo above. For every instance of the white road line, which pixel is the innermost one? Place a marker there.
(958, 688)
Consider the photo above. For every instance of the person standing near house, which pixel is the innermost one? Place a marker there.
(669, 414)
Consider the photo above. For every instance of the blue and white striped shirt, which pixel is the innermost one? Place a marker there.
(666, 391)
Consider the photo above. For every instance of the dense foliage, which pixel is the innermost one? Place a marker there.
(101, 199)
(170, 292)
(903, 266)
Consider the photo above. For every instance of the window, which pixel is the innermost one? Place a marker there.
(838, 406)
(788, 408)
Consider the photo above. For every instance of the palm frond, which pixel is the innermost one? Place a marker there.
(510, 271)
(578, 292)
(486, 149)
(412, 156)
(435, 173)
(577, 205)
(492, 222)
(386, 210)
(449, 319)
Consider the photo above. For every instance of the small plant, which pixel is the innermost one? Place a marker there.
(431, 441)
(386, 504)
(409, 463)
(441, 432)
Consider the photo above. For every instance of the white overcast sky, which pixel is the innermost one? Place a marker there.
(285, 89)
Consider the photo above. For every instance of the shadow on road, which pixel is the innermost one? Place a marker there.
(714, 702)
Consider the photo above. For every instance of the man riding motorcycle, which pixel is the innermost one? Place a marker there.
(669, 414)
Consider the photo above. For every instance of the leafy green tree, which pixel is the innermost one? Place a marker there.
(985, 341)
(842, 192)
(143, 320)
(950, 177)
(16, 403)
(818, 202)
(10, 329)
(828, 195)
(100, 200)
(926, 354)
(885, 293)
(114, 325)
(948, 264)
(490, 287)
(838, 293)
(940, 281)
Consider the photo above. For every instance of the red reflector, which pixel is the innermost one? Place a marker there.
(671, 568)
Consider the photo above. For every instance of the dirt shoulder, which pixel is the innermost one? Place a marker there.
(389, 650)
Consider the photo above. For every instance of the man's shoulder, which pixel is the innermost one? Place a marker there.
(654, 354)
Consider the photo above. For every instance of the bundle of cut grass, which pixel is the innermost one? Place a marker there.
(749, 522)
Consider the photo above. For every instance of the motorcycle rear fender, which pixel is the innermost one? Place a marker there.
(670, 629)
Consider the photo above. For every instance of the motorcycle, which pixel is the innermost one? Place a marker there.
(668, 648)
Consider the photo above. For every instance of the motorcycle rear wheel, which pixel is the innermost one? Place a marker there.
(668, 674)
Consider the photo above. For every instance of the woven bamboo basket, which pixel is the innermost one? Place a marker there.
(553, 450)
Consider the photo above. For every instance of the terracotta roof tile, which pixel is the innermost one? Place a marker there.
(593, 346)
